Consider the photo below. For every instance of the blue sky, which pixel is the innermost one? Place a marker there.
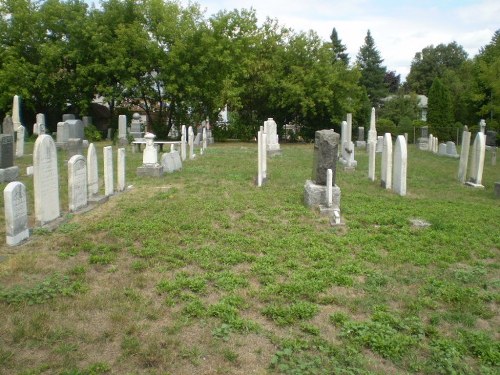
(399, 28)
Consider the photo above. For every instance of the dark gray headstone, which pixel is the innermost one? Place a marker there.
(491, 138)
(361, 133)
(326, 144)
(6, 151)
(8, 126)
(424, 131)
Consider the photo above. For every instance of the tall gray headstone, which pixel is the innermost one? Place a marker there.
(326, 143)
(62, 132)
(16, 213)
(122, 127)
(400, 165)
(371, 160)
(464, 156)
(45, 180)
(477, 162)
(386, 169)
(16, 112)
(75, 129)
(8, 126)
(92, 171)
(183, 143)
(6, 151)
(77, 183)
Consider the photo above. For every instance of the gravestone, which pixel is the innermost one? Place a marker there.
(77, 183)
(261, 157)
(371, 160)
(442, 149)
(16, 112)
(45, 180)
(16, 213)
(477, 162)
(92, 172)
(8, 126)
(451, 150)
(177, 160)
(482, 126)
(272, 142)
(121, 168)
(136, 126)
(122, 130)
(491, 138)
(74, 146)
(361, 137)
(68, 116)
(62, 134)
(6, 151)
(423, 140)
(386, 169)
(197, 139)
(347, 152)
(168, 163)
(191, 143)
(183, 143)
(20, 141)
(204, 138)
(400, 165)
(39, 126)
(108, 171)
(380, 144)
(316, 191)
(75, 129)
(150, 166)
(372, 132)
(464, 156)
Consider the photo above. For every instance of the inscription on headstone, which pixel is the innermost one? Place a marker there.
(77, 182)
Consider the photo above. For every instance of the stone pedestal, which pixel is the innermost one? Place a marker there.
(150, 171)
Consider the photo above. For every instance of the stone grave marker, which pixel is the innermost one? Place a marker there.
(77, 183)
(272, 141)
(108, 171)
(121, 168)
(386, 169)
(183, 143)
(400, 165)
(74, 147)
(464, 155)
(92, 172)
(16, 112)
(371, 159)
(45, 180)
(75, 129)
(122, 130)
(8, 126)
(16, 213)
(372, 132)
(442, 149)
(150, 166)
(477, 162)
(6, 151)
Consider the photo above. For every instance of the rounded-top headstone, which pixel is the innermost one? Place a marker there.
(326, 143)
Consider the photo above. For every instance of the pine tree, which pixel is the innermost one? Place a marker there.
(440, 111)
(338, 49)
(372, 71)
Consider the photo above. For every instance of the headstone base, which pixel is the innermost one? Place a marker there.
(17, 238)
(474, 185)
(97, 199)
(9, 174)
(360, 144)
(333, 214)
(497, 189)
(315, 195)
(423, 144)
(150, 171)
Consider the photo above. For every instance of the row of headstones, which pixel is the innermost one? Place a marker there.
(393, 168)
(83, 186)
(267, 144)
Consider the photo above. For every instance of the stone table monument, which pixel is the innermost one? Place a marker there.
(150, 166)
(326, 145)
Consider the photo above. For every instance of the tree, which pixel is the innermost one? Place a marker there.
(440, 111)
(372, 71)
(338, 49)
(392, 81)
(432, 62)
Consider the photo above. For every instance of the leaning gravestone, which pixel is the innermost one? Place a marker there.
(77, 183)
(45, 180)
(16, 213)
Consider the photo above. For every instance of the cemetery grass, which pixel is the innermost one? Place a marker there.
(201, 272)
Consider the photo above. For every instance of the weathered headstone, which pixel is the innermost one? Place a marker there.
(177, 160)
(262, 157)
(16, 213)
(380, 144)
(183, 143)
(75, 129)
(442, 149)
(464, 156)
(482, 126)
(45, 180)
(77, 183)
(423, 140)
(108, 171)
(191, 143)
(271, 130)
(92, 172)
(477, 162)
(121, 168)
(62, 134)
(371, 160)
(6, 151)
(361, 137)
(8, 126)
(204, 138)
(491, 138)
(136, 126)
(400, 165)
(372, 132)
(16, 112)
(122, 129)
(326, 143)
(168, 163)
(150, 166)
(386, 169)
(20, 141)
(39, 125)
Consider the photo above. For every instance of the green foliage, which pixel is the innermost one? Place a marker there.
(289, 314)
(440, 111)
(386, 126)
(50, 288)
(92, 134)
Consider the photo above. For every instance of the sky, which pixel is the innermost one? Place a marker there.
(400, 28)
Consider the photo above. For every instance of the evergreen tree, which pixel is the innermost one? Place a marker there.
(372, 71)
(440, 111)
(338, 49)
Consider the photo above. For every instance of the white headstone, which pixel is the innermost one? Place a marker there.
(191, 142)
(20, 141)
(259, 159)
(264, 155)
(380, 144)
(477, 162)
(16, 112)
(386, 170)
(92, 171)
(204, 138)
(371, 160)
(183, 143)
(442, 149)
(329, 187)
(122, 127)
(177, 160)
(400, 165)
(271, 129)
(45, 179)
(121, 169)
(150, 154)
(62, 132)
(77, 182)
(482, 126)
(16, 213)
(168, 163)
(464, 156)
(372, 133)
(108, 170)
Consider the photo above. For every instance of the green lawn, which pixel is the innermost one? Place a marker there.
(201, 272)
